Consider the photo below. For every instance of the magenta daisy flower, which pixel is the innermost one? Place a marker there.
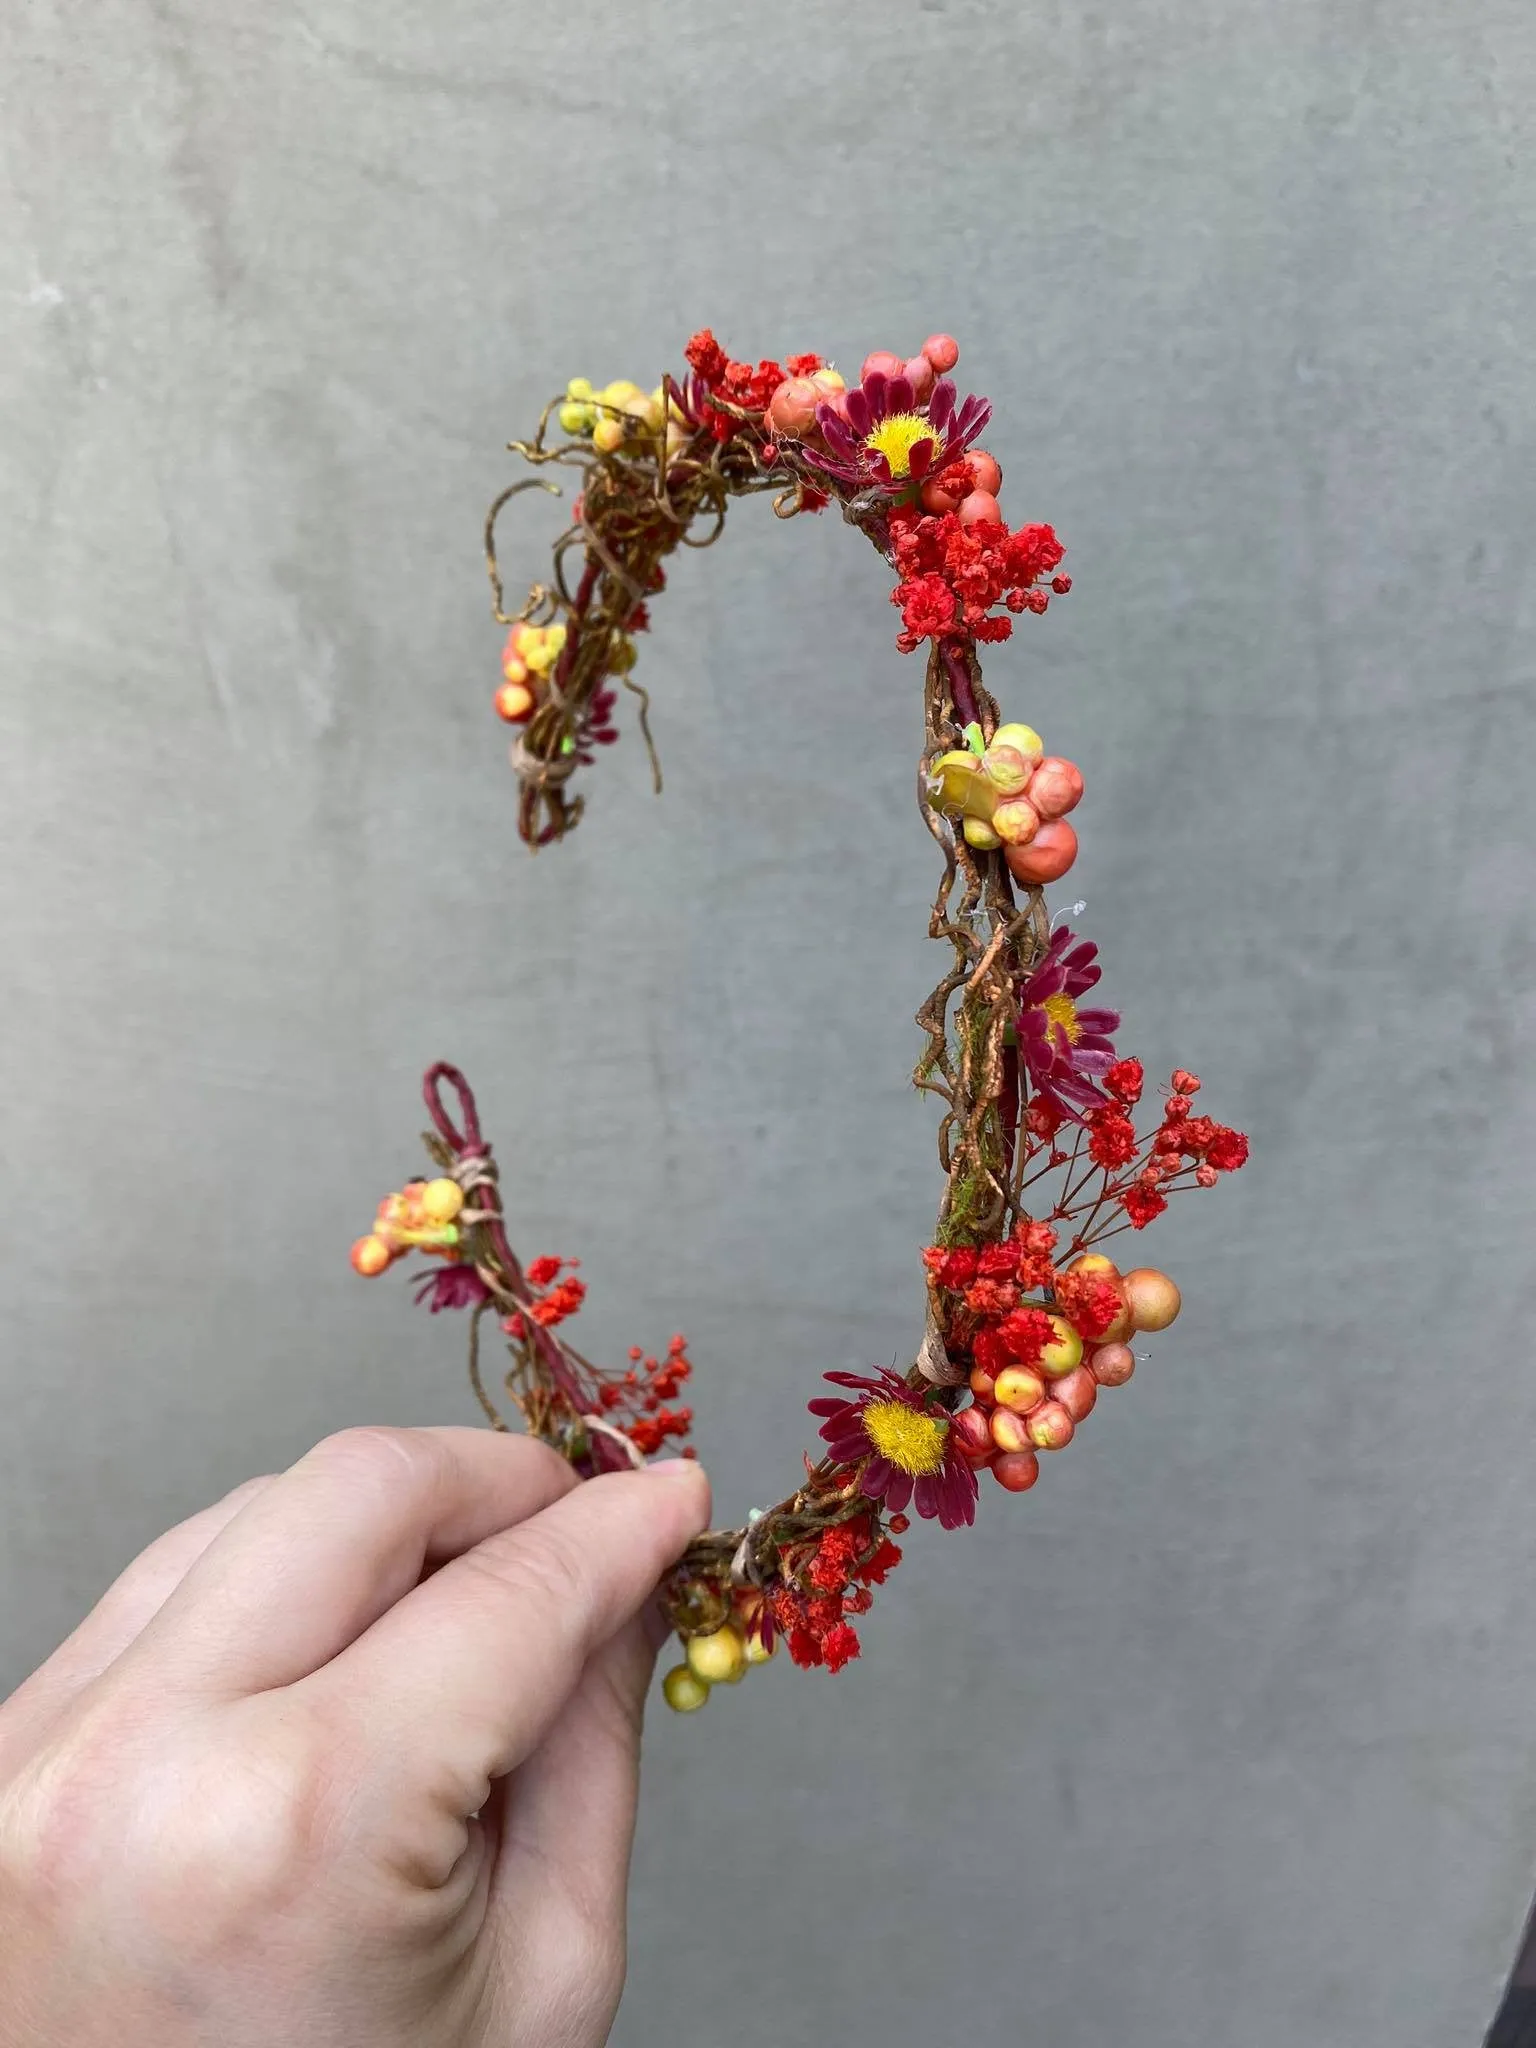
(451, 1286)
(1065, 1049)
(878, 435)
(906, 1447)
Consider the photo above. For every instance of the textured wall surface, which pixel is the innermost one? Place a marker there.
(1228, 1732)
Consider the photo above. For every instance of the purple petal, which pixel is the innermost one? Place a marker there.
(918, 461)
(876, 388)
(1097, 1022)
(941, 404)
(856, 411)
(899, 1491)
(899, 395)
(826, 1404)
(926, 1497)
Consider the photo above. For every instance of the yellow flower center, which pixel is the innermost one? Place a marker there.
(1062, 1012)
(897, 436)
(912, 1441)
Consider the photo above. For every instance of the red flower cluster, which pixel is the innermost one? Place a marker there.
(952, 575)
(740, 384)
(1089, 1302)
(1024, 1258)
(554, 1298)
(849, 1558)
(1182, 1145)
(644, 1390)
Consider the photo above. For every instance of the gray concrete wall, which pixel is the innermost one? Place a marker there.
(1228, 1732)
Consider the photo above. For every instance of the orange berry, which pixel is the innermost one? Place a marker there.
(1050, 1427)
(1009, 1432)
(1077, 1393)
(1019, 1389)
(983, 1386)
(513, 701)
(943, 351)
(1151, 1297)
(370, 1255)
(977, 505)
(882, 360)
(986, 469)
(1112, 1364)
(1048, 855)
(1057, 787)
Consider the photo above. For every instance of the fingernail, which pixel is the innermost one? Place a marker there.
(671, 1467)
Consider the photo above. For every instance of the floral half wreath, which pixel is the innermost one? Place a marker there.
(1027, 1317)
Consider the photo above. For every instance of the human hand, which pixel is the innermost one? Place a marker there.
(346, 1761)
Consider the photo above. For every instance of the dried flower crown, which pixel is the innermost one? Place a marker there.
(1027, 1317)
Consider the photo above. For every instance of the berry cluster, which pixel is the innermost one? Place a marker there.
(1008, 792)
(823, 1587)
(1036, 1366)
(420, 1217)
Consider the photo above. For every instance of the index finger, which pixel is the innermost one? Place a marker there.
(460, 1680)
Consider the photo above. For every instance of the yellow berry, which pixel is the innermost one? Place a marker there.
(575, 419)
(607, 435)
(513, 701)
(720, 1658)
(441, 1200)
(979, 833)
(1023, 738)
(1065, 1351)
(758, 1652)
(683, 1692)
(579, 387)
(515, 669)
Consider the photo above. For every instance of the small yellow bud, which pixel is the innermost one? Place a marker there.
(655, 410)
(607, 435)
(579, 387)
(683, 1692)
(576, 419)
(979, 833)
(1022, 737)
(515, 669)
(758, 1652)
(544, 652)
(620, 393)
(441, 1200)
(718, 1659)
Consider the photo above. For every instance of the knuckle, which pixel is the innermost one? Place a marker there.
(195, 1837)
(376, 1454)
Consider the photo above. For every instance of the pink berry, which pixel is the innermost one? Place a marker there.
(978, 505)
(972, 1433)
(1017, 1471)
(792, 408)
(918, 372)
(882, 360)
(1077, 1393)
(1112, 1364)
(986, 470)
(1057, 787)
(943, 351)
(1048, 855)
